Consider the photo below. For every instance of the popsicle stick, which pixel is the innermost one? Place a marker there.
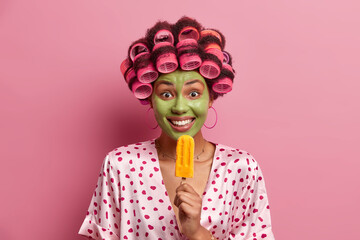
(183, 180)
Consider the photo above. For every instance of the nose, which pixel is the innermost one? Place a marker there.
(180, 106)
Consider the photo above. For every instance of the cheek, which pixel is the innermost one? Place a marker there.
(200, 108)
(160, 108)
(158, 113)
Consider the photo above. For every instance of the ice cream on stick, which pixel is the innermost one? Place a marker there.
(185, 157)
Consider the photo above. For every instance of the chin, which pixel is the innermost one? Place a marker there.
(176, 135)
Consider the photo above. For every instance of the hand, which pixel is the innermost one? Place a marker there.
(189, 203)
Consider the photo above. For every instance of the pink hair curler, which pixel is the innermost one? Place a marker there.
(214, 56)
(190, 61)
(130, 74)
(207, 32)
(212, 36)
(166, 61)
(189, 58)
(227, 58)
(223, 85)
(138, 50)
(188, 33)
(226, 62)
(164, 36)
(209, 69)
(217, 52)
(148, 73)
(141, 90)
(228, 67)
(124, 66)
(186, 44)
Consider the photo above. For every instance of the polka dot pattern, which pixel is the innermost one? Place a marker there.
(131, 202)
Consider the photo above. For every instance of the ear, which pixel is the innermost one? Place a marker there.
(211, 101)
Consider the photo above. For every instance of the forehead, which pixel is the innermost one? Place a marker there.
(179, 77)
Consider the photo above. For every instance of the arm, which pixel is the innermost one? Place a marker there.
(103, 217)
(252, 215)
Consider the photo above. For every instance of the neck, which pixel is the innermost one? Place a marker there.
(168, 144)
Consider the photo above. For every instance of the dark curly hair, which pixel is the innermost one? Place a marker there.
(185, 45)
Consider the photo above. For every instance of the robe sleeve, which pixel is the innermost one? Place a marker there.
(251, 219)
(103, 216)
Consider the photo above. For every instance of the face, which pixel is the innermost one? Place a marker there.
(180, 101)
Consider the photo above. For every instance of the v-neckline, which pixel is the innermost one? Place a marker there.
(207, 186)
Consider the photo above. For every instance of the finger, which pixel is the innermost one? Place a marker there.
(190, 198)
(187, 188)
(191, 193)
(194, 197)
(187, 210)
(182, 199)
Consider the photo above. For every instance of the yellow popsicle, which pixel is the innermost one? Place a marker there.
(185, 157)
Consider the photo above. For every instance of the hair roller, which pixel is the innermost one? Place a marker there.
(129, 76)
(161, 41)
(211, 41)
(215, 33)
(125, 66)
(160, 32)
(138, 49)
(227, 58)
(139, 53)
(187, 31)
(212, 44)
(189, 57)
(223, 84)
(186, 45)
(145, 69)
(211, 66)
(164, 55)
(186, 28)
(141, 90)
(227, 62)
(164, 52)
(164, 35)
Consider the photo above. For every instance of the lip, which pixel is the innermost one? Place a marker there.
(181, 128)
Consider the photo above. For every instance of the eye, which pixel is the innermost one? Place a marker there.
(166, 95)
(194, 94)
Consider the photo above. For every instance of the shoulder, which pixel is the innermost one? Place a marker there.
(237, 164)
(135, 147)
(235, 157)
(132, 151)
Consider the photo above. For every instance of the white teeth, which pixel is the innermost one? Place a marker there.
(181, 123)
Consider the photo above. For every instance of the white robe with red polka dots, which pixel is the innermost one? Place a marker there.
(130, 200)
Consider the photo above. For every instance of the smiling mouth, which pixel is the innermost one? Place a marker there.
(181, 123)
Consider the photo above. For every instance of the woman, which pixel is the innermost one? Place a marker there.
(138, 195)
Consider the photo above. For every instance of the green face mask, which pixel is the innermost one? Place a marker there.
(180, 101)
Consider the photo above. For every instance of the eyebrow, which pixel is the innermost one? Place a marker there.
(171, 84)
(166, 83)
(193, 81)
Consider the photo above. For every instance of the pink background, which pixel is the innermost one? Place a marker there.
(64, 105)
